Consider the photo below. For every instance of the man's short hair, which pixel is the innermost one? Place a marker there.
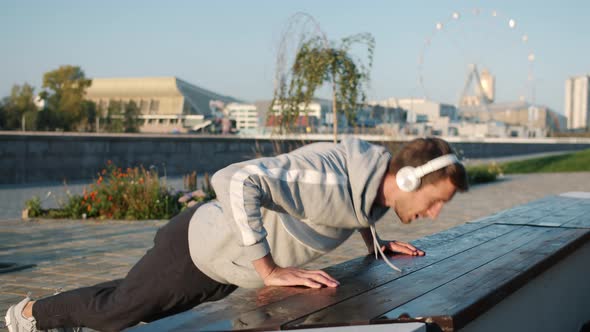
(420, 151)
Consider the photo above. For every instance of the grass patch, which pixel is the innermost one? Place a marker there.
(571, 162)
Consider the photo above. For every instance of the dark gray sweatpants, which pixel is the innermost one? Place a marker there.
(164, 282)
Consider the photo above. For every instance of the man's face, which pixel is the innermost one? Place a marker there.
(427, 201)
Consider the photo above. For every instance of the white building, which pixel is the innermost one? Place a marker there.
(316, 114)
(518, 114)
(166, 104)
(421, 110)
(577, 103)
(245, 115)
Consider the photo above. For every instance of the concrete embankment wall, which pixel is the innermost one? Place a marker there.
(49, 157)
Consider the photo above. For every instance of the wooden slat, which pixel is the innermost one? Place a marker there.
(458, 302)
(551, 211)
(433, 240)
(357, 281)
(563, 211)
(554, 220)
(567, 212)
(364, 307)
(581, 221)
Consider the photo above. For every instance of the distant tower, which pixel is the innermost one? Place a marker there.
(488, 83)
(577, 102)
(484, 88)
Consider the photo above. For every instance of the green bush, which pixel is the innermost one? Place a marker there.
(34, 207)
(71, 208)
(483, 173)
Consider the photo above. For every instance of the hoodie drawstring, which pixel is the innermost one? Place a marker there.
(377, 248)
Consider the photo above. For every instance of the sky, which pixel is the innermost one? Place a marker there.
(231, 47)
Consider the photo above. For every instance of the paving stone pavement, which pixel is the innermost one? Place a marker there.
(71, 254)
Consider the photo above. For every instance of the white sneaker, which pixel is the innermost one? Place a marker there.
(16, 322)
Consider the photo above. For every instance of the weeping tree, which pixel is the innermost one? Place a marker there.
(316, 63)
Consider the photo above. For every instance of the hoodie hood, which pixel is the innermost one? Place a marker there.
(367, 164)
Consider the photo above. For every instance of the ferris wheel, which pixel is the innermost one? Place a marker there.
(470, 54)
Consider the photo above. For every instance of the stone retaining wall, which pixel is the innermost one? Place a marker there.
(49, 157)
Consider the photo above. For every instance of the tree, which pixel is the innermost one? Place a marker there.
(19, 109)
(122, 117)
(131, 117)
(317, 62)
(3, 103)
(114, 118)
(89, 116)
(65, 96)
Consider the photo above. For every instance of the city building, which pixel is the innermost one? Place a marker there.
(538, 119)
(421, 110)
(317, 117)
(317, 114)
(166, 104)
(375, 114)
(244, 115)
(577, 103)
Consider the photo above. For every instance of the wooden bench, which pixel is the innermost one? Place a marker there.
(527, 268)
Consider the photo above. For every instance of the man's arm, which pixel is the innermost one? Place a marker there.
(241, 196)
(393, 246)
(273, 275)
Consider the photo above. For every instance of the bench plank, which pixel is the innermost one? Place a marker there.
(550, 211)
(375, 273)
(458, 302)
(369, 305)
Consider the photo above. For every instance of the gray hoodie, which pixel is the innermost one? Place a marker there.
(298, 206)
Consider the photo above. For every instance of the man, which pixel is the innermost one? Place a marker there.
(271, 216)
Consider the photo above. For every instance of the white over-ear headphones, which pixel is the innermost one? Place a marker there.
(408, 178)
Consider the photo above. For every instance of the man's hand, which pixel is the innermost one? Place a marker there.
(400, 247)
(273, 275)
(291, 276)
(392, 246)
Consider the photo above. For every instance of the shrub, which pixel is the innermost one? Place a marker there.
(33, 206)
(483, 173)
(71, 208)
(133, 193)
